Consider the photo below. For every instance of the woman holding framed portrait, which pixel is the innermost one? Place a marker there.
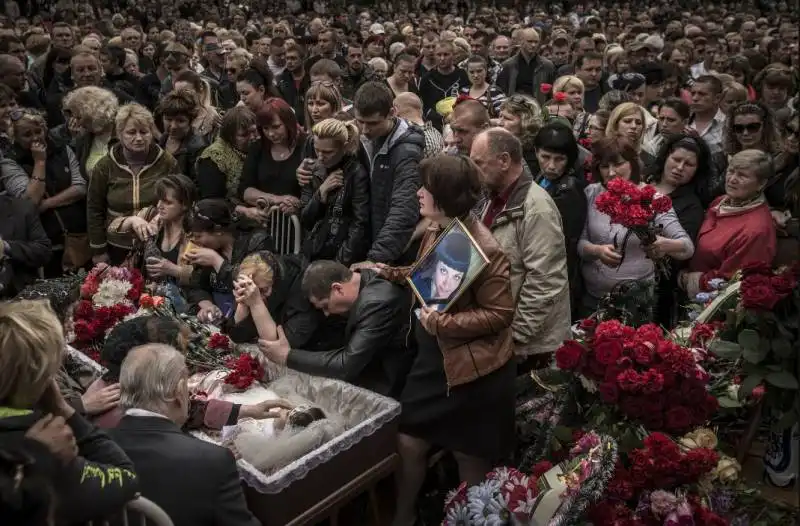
(459, 394)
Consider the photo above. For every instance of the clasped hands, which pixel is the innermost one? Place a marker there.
(245, 291)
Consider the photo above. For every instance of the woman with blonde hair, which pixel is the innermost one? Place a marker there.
(572, 87)
(236, 62)
(627, 122)
(522, 116)
(617, 59)
(90, 113)
(268, 293)
(124, 182)
(32, 407)
(335, 203)
(733, 94)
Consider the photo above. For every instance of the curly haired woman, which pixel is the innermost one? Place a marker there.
(91, 113)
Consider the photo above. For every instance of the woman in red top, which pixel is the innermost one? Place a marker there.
(738, 228)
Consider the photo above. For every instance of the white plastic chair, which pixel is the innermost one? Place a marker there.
(285, 230)
(139, 512)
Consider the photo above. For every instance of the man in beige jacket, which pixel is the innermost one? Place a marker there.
(526, 222)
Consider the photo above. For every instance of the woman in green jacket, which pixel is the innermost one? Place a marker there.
(123, 182)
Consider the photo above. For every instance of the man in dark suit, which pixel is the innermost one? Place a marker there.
(195, 482)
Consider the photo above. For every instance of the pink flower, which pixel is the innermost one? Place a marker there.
(663, 503)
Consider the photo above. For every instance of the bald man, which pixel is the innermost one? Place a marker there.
(526, 222)
(469, 118)
(409, 107)
(526, 70)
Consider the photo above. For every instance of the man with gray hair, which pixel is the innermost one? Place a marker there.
(526, 222)
(195, 482)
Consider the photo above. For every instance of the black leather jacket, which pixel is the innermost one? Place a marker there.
(374, 354)
(339, 228)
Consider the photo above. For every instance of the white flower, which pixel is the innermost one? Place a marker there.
(587, 384)
(457, 515)
(111, 292)
(489, 510)
(483, 491)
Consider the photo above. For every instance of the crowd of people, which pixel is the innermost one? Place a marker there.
(169, 137)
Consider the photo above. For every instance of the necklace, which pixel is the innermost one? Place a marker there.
(281, 154)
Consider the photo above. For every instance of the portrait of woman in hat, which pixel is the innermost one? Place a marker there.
(440, 277)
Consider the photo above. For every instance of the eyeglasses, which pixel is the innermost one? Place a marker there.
(752, 127)
(324, 83)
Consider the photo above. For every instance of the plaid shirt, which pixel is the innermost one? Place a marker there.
(434, 142)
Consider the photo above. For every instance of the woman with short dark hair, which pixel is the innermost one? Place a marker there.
(685, 172)
(556, 154)
(459, 394)
(600, 247)
(219, 167)
(177, 110)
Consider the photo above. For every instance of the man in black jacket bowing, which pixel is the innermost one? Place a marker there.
(378, 313)
(195, 482)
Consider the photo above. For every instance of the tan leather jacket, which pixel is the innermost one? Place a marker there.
(474, 335)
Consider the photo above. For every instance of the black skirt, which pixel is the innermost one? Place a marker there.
(475, 419)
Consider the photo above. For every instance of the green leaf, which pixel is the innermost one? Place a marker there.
(782, 379)
(725, 349)
(755, 355)
(782, 348)
(748, 384)
(728, 402)
(749, 339)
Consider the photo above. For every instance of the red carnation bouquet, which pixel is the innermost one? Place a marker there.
(641, 377)
(244, 370)
(108, 295)
(633, 207)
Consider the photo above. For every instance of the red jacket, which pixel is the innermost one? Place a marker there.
(728, 241)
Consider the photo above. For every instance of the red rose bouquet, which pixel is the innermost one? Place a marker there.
(760, 337)
(641, 377)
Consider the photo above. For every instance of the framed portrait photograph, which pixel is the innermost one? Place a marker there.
(448, 268)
